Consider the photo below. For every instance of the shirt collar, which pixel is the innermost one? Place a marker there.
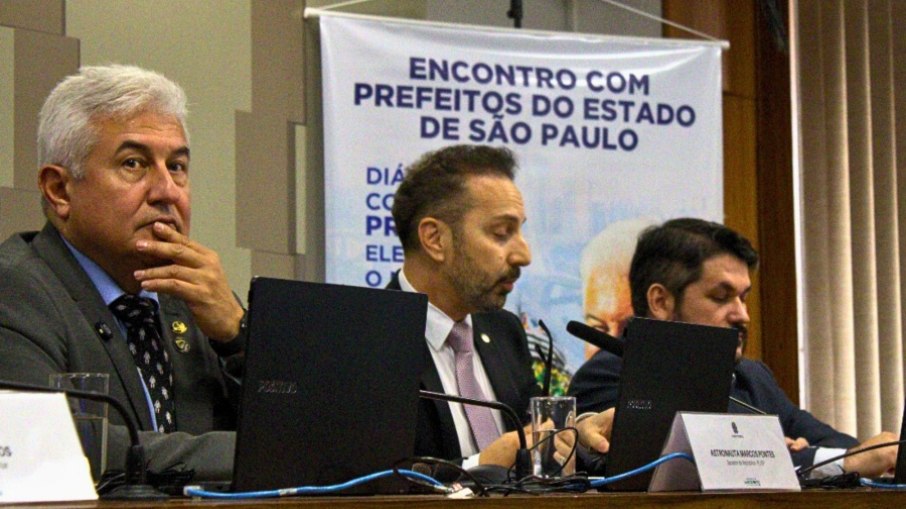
(106, 286)
(438, 324)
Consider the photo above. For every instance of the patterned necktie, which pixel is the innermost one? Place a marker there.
(139, 315)
(484, 429)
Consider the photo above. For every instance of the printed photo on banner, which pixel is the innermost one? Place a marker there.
(611, 134)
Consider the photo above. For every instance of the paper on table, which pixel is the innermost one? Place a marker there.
(41, 459)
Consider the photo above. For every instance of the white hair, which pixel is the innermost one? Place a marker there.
(66, 129)
(614, 245)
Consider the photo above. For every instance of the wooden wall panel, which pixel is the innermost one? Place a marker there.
(265, 158)
(39, 15)
(20, 210)
(757, 164)
(775, 204)
(741, 197)
(42, 61)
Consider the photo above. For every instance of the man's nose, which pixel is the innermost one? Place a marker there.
(521, 255)
(740, 312)
(163, 186)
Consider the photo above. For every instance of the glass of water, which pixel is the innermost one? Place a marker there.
(90, 417)
(553, 454)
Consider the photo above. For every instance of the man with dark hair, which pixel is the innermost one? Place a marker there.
(459, 217)
(697, 271)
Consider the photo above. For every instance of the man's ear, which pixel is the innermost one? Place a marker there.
(54, 182)
(435, 238)
(661, 303)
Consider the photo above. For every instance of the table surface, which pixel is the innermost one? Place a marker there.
(848, 499)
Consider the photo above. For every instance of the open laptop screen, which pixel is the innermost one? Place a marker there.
(900, 475)
(330, 390)
(667, 367)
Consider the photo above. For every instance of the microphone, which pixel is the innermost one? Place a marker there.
(103, 330)
(135, 486)
(597, 338)
(549, 361)
(751, 408)
(523, 456)
(613, 345)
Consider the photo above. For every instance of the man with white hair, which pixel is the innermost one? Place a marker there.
(604, 267)
(113, 283)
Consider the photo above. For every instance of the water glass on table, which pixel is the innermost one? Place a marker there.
(90, 417)
(554, 436)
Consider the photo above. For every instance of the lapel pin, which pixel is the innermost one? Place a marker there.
(179, 327)
(181, 344)
(485, 338)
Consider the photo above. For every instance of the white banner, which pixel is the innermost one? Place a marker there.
(607, 131)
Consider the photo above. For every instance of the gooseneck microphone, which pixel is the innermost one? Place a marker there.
(523, 466)
(595, 337)
(549, 361)
(613, 345)
(135, 486)
(751, 408)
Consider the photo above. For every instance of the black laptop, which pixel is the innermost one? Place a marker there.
(667, 367)
(330, 390)
(899, 476)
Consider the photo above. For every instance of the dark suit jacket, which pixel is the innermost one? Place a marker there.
(49, 309)
(506, 360)
(596, 388)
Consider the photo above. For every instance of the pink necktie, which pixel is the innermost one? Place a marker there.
(484, 429)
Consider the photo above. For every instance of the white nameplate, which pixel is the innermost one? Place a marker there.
(731, 451)
(41, 459)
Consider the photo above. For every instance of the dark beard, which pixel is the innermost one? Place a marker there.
(743, 339)
(475, 288)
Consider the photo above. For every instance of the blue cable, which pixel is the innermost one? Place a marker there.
(315, 490)
(597, 483)
(887, 486)
(307, 490)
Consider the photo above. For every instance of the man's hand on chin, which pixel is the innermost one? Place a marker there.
(195, 275)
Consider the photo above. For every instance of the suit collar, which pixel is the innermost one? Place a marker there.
(430, 381)
(438, 324)
(105, 285)
(50, 247)
(487, 343)
(494, 363)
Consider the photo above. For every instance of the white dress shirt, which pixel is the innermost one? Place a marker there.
(437, 328)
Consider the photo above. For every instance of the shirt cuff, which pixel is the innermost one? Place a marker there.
(470, 461)
(824, 454)
(584, 416)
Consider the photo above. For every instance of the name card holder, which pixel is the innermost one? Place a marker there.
(41, 459)
(732, 452)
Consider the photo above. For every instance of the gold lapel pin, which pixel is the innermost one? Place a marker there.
(179, 327)
(486, 338)
(181, 344)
